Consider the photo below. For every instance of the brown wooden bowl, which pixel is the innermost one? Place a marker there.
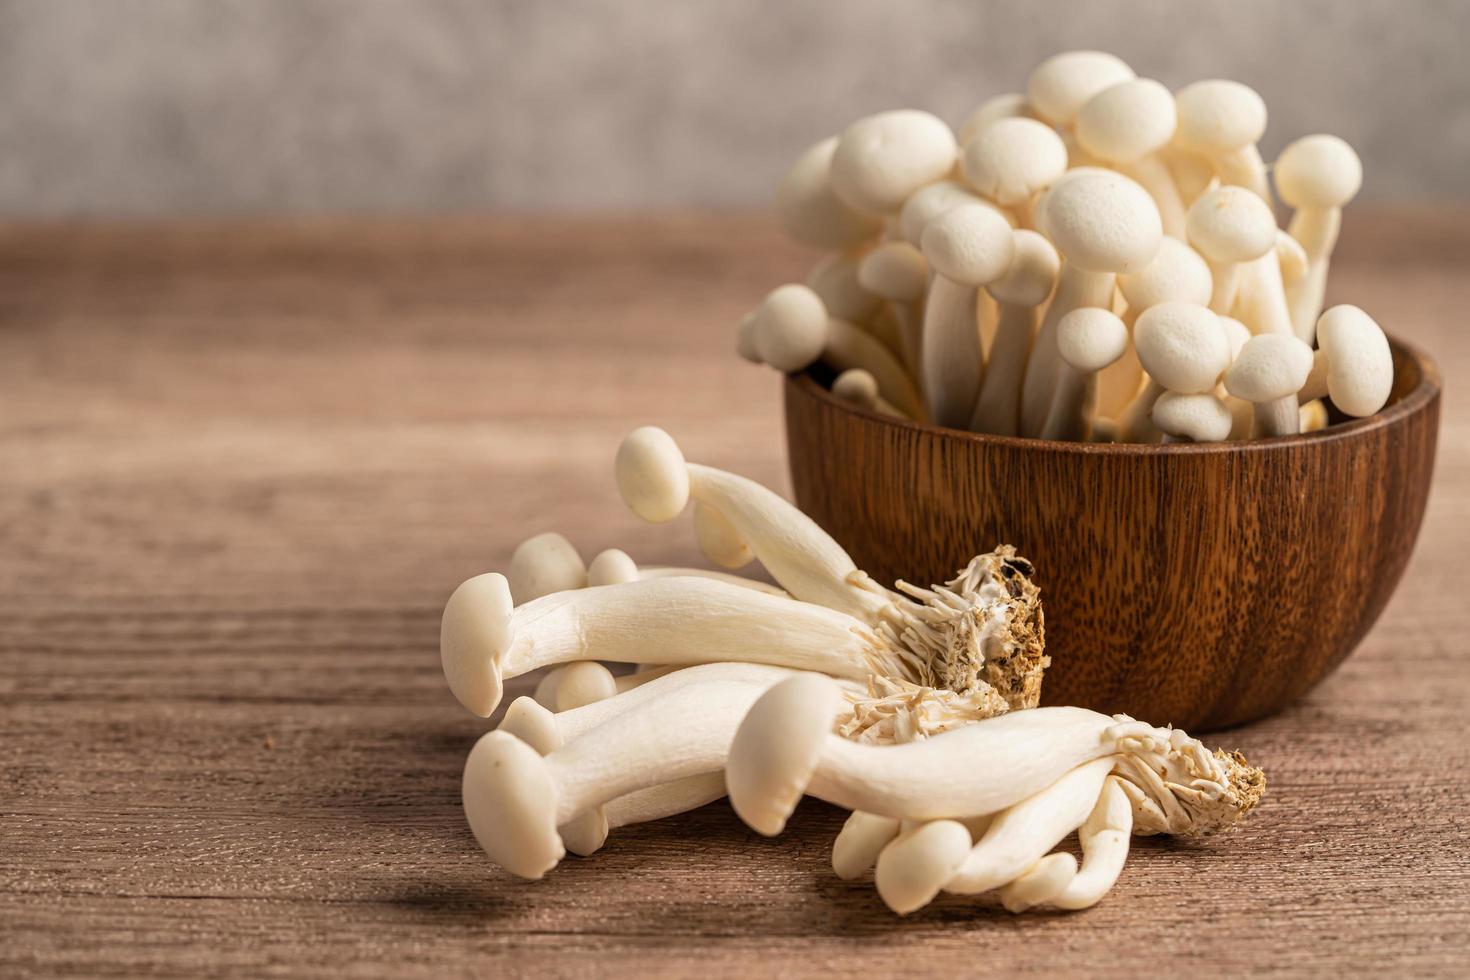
(1203, 585)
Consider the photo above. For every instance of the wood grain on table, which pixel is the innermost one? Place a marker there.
(243, 465)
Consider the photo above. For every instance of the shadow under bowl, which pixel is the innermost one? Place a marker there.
(1200, 585)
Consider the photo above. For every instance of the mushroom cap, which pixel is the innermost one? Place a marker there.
(718, 539)
(1062, 84)
(911, 869)
(652, 476)
(532, 723)
(928, 203)
(510, 800)
(835, 281)
(584, 682)
(1200, 417)
(811, 212)
(1236, 332)
(612, 567)
(971, 244)
(1101, 221)
(1127, 121)
(1176, 274)
(745, 339)
(1218, 116)
(544, 564)
(1318, 172)
(1182, 346)
(857, 386)
(474, 635)
(896, 271)
(1033, 272)
(858, 844)
(1011, 105)
(1090, 338)
(880, 160)
(791, 327)
(1010, 160)
(1269, 366)
(1359, 362)
(777, 748)
(1231, 224)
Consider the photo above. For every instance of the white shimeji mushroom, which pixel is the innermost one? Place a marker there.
(1126, 125)
(928, 203)
(1010, 161)
(1353, 365)
(881, 159)
(898, 272)
(859, 388)
(516, 797)
(967, 247)
(1230, 227)
(1027, 284)
(1104, 837)
(1088, 340)
(1192, 418)
(1011, 105)
(793, 331)
(811, 213)
(542, 565)
(861, 840)
(1223, 121)
(1176, 274)
(1103, 225)
(1318, 176)
(1269, 372)
(1061, 85)
(1183, 348)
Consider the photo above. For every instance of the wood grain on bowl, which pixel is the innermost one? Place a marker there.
(1199, 585)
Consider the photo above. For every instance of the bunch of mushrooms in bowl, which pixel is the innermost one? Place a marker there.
(1097, 259)
(915, 708)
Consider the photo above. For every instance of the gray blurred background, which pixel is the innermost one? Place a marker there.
(128, 107)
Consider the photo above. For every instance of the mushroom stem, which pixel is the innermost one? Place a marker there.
(1260, 301)
(665, 800)
(1105, 837)
(998, 407)
(851, 347)
(950, 351)
(1022, 835)
(1277, 417)
(1077, 288)
(1047, 879)
(1136, 423)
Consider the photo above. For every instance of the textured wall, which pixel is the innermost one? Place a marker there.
(148, 106)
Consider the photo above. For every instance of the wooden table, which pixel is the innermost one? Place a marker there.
(242, 466)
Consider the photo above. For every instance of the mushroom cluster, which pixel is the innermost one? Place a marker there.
(916, 708)
(1095, 259)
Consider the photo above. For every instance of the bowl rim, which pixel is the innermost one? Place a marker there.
(1417, 400)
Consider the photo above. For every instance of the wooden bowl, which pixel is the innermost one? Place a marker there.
(1203, 585)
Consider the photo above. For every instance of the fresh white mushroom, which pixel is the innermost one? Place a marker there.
(1027, 284)
(1318, 176)
(1192, 418)
(793, 331)
(1353, 365)
(581, 683)
(967, 247)
(1183, 348)
(1313, 415)
(1088, 340)
(544, 564)
(1223, 121)
(898, 272)
(1103, 225)
(516, 799)
(1176, 274)
(1268, 373)
(912, 867)
(1242, 412)
(882, 159)
(785, 747)
(1061, 85)
(1047, 879)
(811, 213)
(1230, 226)
(1010, 161)
(858, 387)
(1126, 125)
(861, 840)
(1011, 105)
(718, 539)
(928, 203)
(1104, 837)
